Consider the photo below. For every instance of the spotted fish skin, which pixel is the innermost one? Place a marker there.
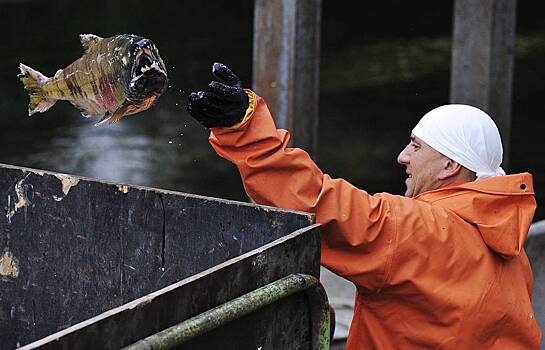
(115, 77)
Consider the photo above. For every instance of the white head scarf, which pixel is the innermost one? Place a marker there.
(466, 135)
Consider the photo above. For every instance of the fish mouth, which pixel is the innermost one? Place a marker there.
(148, 74)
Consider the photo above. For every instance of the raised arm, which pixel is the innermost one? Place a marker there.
(359, 229)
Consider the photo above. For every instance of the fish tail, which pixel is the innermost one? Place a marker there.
(33, 82)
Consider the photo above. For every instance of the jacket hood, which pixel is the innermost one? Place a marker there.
(501, 207)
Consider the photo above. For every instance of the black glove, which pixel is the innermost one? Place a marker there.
(224, 104)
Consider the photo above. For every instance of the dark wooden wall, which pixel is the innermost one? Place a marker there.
(66, 256)
(284, 324)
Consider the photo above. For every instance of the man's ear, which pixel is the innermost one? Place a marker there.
(450, 168)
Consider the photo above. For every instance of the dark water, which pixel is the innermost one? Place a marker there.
(162, 147)
(381, 70)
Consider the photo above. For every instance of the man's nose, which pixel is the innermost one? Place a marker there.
(403, 157)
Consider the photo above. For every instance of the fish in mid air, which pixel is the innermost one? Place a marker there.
(115, 77)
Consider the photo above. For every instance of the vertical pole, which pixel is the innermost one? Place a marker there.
(286, 65)
(482, 60)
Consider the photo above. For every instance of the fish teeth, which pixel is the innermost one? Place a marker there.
(133, 81)
(146, 68)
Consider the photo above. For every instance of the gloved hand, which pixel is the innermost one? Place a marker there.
(224, 104)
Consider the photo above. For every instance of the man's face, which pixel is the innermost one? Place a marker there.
(423, 167)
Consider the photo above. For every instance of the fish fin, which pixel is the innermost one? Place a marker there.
(116, 116)
(104, 119)
(120, 112)
(33, 82)
(88, 40)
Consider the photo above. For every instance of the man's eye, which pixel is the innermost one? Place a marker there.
(414, 146)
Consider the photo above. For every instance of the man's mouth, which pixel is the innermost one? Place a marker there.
(409, 177)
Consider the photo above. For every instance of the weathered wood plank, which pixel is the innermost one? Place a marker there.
(215, 234)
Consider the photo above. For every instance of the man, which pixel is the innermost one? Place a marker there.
(442, 267)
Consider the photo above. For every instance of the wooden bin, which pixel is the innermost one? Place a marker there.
(77, 254)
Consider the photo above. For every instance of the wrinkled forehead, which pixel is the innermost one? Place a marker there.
(425, 146)
(416, 140)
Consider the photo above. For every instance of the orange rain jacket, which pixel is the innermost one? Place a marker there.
(445, 270)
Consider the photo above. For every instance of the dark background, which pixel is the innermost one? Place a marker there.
(383, 65)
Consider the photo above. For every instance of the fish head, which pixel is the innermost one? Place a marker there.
(148, 75)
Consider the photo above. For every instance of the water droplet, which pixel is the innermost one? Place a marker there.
(173, 67)
(169, 141)
(176, 103)
(162, 269)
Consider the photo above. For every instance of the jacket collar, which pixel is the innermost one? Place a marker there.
(501, 207)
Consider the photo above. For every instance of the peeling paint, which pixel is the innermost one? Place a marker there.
(123, 188)
(9, 265)
(22, 201)
(67, 182)
(34, 171)
(259, 261)
(9, 213)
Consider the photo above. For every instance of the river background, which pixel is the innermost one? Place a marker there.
(383, 65)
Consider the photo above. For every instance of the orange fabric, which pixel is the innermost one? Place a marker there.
(446, 270)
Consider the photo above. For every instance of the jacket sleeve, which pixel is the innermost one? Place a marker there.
(358, 229)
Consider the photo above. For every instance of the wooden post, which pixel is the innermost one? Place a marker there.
(286, 65)
(482, 60)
